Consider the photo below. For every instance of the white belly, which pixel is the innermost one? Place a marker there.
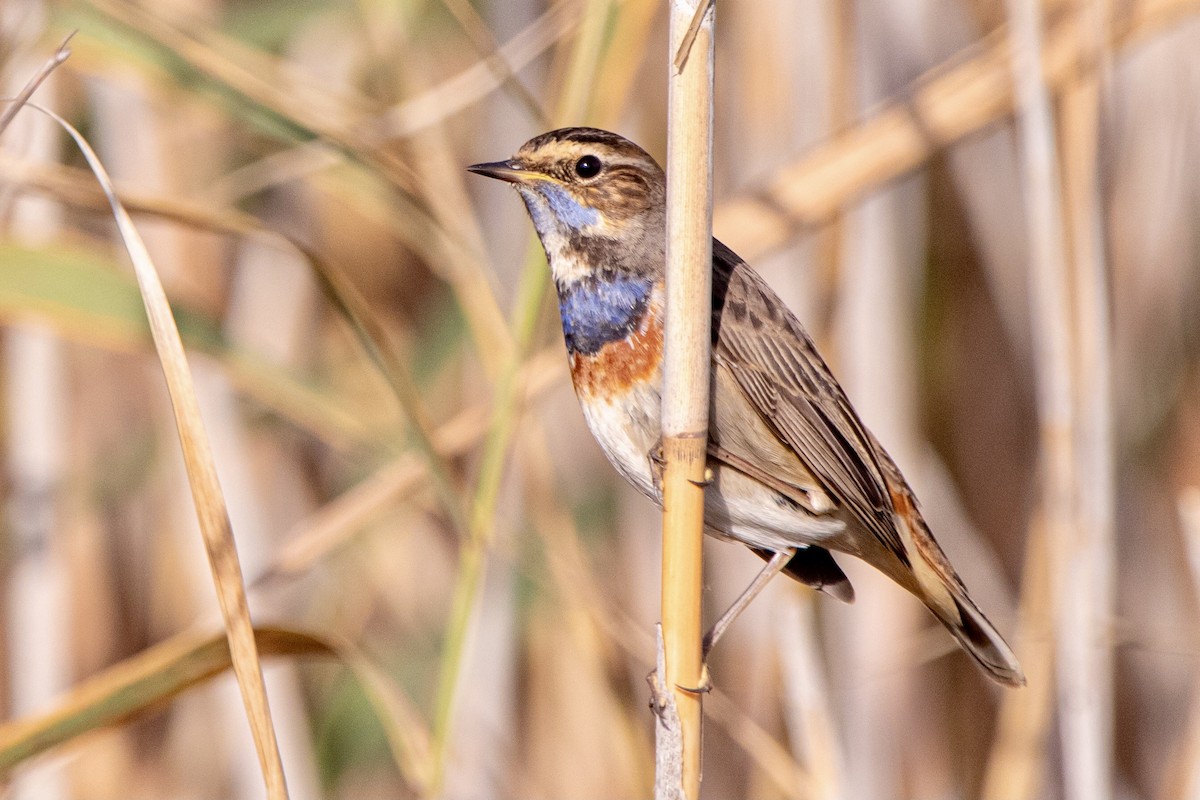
(627, 429)
(736, 506)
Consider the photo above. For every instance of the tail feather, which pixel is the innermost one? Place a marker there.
(947, 598)
(934, 581)
(979, 638)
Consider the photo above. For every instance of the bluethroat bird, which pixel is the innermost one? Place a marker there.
(795, 473)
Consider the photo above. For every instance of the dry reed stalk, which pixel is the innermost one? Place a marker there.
(1087, 602)
(1082, 708)
(1016, 765)
(686, 367)
(1183, 777)
(948, 103)
(583, 597)
(806, 694)
(594, 617)
(484, 43)
(590, 715)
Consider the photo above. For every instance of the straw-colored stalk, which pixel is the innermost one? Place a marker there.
(1183, 776)
(685, 389)
(1063, 342)
(1018, 756)
(1086, 593)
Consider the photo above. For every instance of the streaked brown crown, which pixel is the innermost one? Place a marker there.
(629, 181)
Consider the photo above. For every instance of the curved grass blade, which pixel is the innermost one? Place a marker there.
(211, 512)
(162, 672)
(137, 684)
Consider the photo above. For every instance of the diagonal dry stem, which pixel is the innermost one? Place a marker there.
(141, 682)
(160, 673)
(947, 104)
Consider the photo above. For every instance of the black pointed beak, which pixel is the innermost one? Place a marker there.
(510, 171)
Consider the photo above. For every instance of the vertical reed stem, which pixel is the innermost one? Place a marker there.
(686, 379)
(1070, 325)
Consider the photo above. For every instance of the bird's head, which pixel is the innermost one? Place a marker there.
(597, 199)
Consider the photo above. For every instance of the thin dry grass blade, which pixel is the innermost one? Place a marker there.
(52, 63)
(160, 673)
(1183, 780)
(139, 683)
(331, 526)
(485, 45)
(338, 289)
(202, 476)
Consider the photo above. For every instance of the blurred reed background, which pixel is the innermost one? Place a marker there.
(462, 590)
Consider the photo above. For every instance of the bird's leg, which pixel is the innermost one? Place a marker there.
(773, 568)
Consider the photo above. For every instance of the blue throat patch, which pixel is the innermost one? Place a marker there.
(601, 309)
(569, 212)
(551, 206)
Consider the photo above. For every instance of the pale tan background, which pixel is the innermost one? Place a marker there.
(908, 245)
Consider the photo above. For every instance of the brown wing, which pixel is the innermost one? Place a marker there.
(777, 368)
(780, 375)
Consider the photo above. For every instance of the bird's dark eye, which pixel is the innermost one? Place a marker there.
(587, 167)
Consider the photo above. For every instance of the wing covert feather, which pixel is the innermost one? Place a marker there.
(785, 380)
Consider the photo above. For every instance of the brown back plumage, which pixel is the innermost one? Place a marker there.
(784, 379)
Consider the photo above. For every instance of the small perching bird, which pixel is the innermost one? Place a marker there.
(795, 473)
